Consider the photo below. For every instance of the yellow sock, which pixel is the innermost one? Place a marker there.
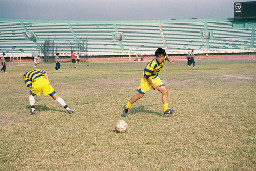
(165, 106)
(128, 105)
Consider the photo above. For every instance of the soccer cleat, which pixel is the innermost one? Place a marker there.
(70, 111)
(125, 112)
(32, 112)
(168, 111)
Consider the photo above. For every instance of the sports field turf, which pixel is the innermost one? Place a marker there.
(214, 126)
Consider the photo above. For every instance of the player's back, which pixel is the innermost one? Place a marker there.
(34, 74)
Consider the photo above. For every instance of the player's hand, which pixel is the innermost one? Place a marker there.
(171, 61)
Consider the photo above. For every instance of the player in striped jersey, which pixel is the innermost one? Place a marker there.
(150, 80)
(38, 81)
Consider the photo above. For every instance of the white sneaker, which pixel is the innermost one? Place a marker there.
(32, 111)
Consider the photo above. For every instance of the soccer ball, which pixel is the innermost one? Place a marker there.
(121, 126)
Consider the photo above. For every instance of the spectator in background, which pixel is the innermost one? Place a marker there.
(136, 58)
(192, 60)
(3, 63)
(77, 58)
(141, 57)
(188, 58)
(35, 61)
(57, 58)
(73, 59)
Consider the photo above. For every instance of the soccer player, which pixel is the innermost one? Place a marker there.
(150, 80)
(37, 80)
(192, 58)
(188, 58)
(73, 59)
(3, 63)
(57, 59)
(77, 58)
(35, 61)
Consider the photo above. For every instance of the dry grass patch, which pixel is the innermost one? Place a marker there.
(213, 128)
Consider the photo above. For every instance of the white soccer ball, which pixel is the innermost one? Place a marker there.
(121, 126)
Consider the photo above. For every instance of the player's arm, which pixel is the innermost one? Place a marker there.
(147, 73)
(155, 87)
(46, 76)
(168, 59)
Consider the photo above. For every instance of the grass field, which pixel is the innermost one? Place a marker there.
(214, 127)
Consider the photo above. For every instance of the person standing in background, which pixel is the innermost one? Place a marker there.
(77, 58)
(57, 58)
(192, 60)
(73, 59)
(188, 58)
(35, 61)
(3, 63)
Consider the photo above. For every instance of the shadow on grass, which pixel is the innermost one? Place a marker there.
(188, 69)
(143, 110)
(44, 108)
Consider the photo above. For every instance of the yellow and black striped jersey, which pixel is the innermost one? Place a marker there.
(31, 76)
(153, 67)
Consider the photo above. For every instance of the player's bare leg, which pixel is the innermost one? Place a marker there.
(131, 101)
(136, 97)
(164, 92)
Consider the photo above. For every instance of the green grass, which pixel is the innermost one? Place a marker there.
(214, 127)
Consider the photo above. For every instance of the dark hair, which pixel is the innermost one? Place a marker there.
(57, 53)
(160, 51)
(3, 53)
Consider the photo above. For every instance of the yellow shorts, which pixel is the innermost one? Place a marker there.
(145, 85)
(42, 84)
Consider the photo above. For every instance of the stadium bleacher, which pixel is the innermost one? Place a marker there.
(29, 36)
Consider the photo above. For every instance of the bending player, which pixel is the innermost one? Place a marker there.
(37, 80)
(150, 80)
